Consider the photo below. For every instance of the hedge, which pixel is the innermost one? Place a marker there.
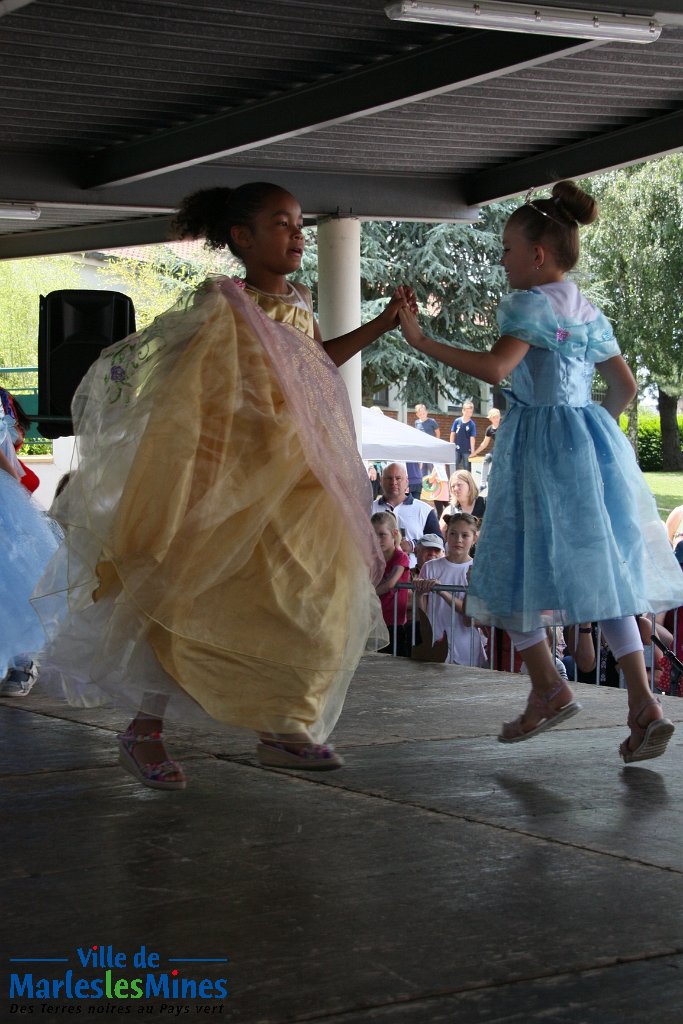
(650, 457)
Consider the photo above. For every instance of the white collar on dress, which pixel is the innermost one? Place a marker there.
(568, 302)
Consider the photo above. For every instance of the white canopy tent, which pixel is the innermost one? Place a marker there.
(387, 440)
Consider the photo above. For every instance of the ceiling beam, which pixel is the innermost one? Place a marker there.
(637, 142)
(138, 231)
(409, 197)
(464, 60)
(30, 178)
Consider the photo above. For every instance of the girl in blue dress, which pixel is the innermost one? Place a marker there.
(572, 532)
(27, 543)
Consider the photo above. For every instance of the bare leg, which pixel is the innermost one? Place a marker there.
(646, 740)
(541, 667)
(637, 683)
(650, 730)
(551, 700)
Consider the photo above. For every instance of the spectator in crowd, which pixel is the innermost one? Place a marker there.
(487, 445)
(464, 436)
(593, 661)
(375, 477)
(394, 604)
(415, 517)
(654, 659)
(428, 547)
(16, 425)
(414, 471)
(445, 609)
(425, 422)
(669, 680)
(582, 646)
(428, 425)
(674, 525)
(671, 677)
(465, 497)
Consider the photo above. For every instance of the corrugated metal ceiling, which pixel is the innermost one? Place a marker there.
(114, 110)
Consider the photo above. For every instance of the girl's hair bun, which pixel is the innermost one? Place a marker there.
(576, 203)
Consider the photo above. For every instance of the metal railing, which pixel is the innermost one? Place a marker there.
(475, 634)
(22, 388)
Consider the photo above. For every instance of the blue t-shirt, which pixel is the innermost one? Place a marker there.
(429, 426)
(463, 432)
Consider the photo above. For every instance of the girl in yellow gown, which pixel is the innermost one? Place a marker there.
(219, 552)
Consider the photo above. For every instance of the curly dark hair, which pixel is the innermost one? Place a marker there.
(212, 212)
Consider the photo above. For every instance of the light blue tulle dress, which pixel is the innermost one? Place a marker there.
(571, 533)
(27, 542)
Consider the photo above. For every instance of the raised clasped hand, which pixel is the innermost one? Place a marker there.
(402, 298)
(409, 325)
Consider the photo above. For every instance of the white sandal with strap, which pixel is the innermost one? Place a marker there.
(514, 732)
(654, 737)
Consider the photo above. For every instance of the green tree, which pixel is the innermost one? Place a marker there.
(455, 271)
(22, 282)
(157, 278)
(635, 252)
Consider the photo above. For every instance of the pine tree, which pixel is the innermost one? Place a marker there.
(455, 271)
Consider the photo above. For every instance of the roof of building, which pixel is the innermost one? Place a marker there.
(112, 111)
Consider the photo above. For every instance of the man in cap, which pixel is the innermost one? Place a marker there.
(429, 546)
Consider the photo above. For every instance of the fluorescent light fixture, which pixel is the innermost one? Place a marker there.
(7, 6)
(513, 17)
(18, 211)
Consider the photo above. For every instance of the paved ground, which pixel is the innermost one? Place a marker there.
(440, 878)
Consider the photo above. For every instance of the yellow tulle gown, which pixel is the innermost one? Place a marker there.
(219, 557)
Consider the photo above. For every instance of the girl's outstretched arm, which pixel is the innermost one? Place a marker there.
(621, 385)
(492, 366)
(342, 348)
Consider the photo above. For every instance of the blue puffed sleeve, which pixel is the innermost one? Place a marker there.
(530, 317)
(602, 344)
(527, 316)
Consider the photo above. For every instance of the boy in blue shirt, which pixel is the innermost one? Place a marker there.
(463, 436)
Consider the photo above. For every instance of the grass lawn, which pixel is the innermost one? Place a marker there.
(667, 489)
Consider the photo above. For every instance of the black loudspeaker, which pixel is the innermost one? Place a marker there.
(75, 325)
